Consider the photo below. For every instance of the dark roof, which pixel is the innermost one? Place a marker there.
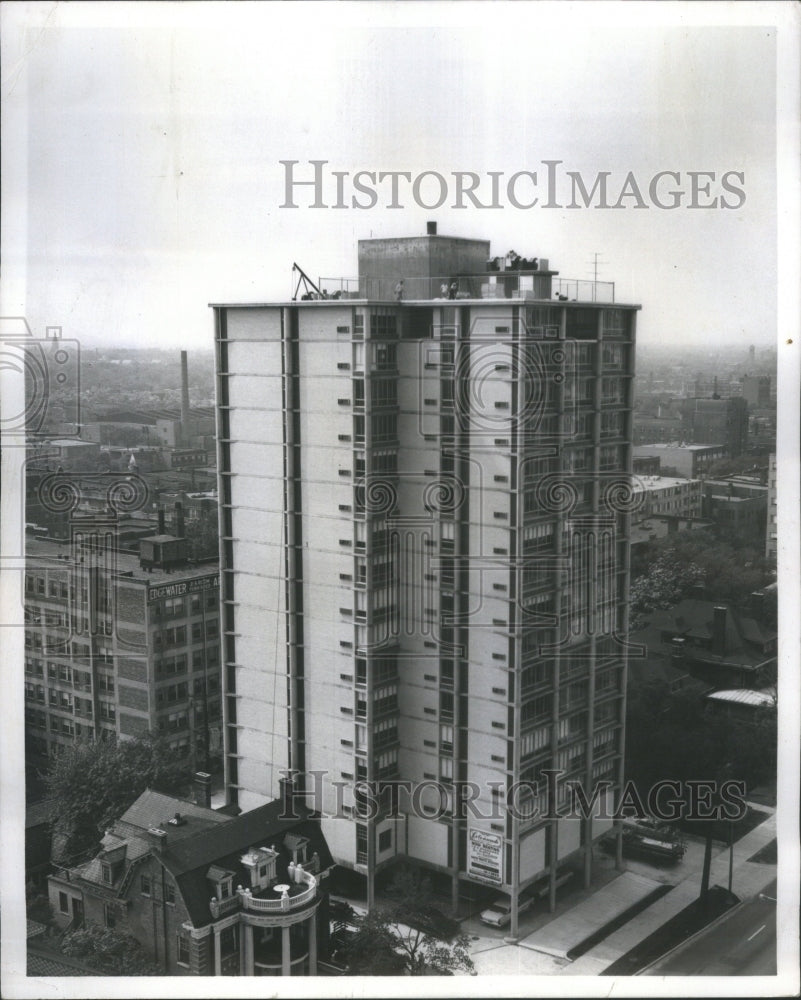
(211, 846)
(222, 847)
(53, 964)
(745, 638)
(155, 810)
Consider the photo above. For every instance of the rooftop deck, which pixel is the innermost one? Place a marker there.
(532, 285)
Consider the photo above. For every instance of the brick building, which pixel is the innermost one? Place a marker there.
(118, 644)
(204, 893)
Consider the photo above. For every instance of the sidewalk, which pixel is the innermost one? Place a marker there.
(748, 880)
(492, 957)
(573, 928)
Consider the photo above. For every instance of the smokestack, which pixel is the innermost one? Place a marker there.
(184, 397)
(719, 631)
(203, 789)
(162, 529)
(431, 228)
(179, 520)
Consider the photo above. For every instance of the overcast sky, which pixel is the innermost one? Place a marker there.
(150, 182)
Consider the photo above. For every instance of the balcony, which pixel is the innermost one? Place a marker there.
(292, 895)
(535, 286)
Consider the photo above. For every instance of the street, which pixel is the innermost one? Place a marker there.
(743, 943)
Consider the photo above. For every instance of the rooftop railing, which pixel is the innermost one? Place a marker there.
(532, 286)
(292, 898)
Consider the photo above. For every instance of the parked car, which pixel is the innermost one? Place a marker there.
(499, 912)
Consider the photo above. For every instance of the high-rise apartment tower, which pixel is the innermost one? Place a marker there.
(425, 504)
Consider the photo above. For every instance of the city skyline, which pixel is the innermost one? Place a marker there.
(157, 168)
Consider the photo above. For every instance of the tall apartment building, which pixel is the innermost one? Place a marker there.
(117, 644)
(425, 513)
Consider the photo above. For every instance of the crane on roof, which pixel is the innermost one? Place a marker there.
(308, 285)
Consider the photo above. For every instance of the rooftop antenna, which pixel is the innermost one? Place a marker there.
(308, 284)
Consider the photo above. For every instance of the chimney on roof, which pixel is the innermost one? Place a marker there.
(157, 839)
(162, 529)
(431, 228)
(203, 789)
(719, 630)
(287, 796)
(180, 531)
(184, 397)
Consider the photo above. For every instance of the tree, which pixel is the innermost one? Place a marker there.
(668, 570)
(37, 905)
(109, 951)
(407, 934)
(93, 783)
(672, 735)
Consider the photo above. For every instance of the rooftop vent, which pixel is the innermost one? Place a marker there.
(431, 228)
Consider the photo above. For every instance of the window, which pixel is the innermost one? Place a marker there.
(63, 903)
(145, 885)
(169, 893)
(385, 840)
(110, 915)
(228, 941)
(106, 873)
(182, 949)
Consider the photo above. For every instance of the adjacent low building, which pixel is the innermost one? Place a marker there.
(204, 893)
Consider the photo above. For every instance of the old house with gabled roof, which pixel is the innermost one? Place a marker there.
(203, 892)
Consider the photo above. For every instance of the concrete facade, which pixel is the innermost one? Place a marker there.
(424, 539)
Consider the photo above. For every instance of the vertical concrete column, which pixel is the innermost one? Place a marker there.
(313, 944)
(247, 950)
(217, 952)
(286, 956)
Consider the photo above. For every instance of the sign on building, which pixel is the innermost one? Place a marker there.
(485, 856)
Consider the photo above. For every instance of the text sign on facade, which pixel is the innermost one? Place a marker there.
(184, 587)
(485, 856)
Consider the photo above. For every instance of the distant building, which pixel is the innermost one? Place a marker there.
(667, 496)
(689, 460)
(720, 420)
(68, 452)
(206, 894)
(648, 429)
(771, 539)
(736, 502)
(646, 465)
(756, 391)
